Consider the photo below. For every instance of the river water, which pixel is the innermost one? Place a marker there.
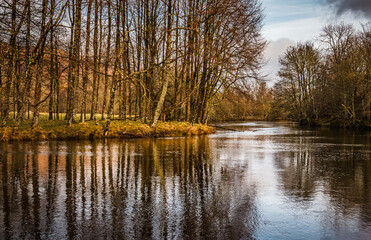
(266, 181)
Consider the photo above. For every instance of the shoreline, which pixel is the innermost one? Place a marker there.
(121, 129)
(325, 123)
(125, 129)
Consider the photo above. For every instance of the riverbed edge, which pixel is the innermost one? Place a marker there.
(125, 129)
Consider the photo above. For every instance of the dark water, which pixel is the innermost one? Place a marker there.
(270, 181)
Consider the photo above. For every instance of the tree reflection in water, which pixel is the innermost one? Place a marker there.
(267, 181)
(164, 188)
(337, 175)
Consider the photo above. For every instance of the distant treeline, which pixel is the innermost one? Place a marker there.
(326, 81)
(148, 60)
(330, 82)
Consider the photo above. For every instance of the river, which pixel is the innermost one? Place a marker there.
(264, 181)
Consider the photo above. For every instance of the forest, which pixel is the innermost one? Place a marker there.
(327, 80)
(147, 60)
(173, 60)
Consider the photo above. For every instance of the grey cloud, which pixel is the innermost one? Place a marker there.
(356, 6)
(272, 53)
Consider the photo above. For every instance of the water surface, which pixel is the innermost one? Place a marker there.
(266, 181)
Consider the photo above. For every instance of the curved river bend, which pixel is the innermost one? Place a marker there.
(266, 181)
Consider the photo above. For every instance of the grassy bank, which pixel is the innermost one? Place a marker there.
(57, 129)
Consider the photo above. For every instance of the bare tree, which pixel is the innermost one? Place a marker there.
(86, 63)
(299, 73)
(167, 61)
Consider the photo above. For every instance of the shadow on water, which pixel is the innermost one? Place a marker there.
(164, 188)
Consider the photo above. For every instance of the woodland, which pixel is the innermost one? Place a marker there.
(147, 60)
(324, 82)
(193, 61)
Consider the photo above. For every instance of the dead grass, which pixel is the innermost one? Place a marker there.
(57, 129)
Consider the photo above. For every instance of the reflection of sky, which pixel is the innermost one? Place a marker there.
(288, 211)
(297, 20)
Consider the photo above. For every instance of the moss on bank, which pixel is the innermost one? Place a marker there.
(53, 130)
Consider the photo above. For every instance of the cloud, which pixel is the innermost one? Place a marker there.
(292, 21)
(297, 30)
(355, 6)
(272, 53)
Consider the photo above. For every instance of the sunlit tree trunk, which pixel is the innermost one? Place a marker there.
(167, 74)
(95, 62)
(52, 71)
(107, 61)
(39, 71)
(74, 64)
(86, 64)
(11, 67)
(116, 78)
(100, 52)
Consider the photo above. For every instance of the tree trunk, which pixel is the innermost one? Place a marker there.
(39, 73)
(74, 64)
(86, 70)
(106, 83)
(11, 67)
(167, 74)
(52, 73)
(116, 77)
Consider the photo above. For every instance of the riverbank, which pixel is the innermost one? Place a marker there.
(331, 123)
(58, 130)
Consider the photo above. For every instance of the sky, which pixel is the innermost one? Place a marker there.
(290, 21)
